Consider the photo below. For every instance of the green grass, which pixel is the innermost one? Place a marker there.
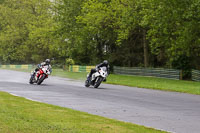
(19, 115)
(190, 87)
(72, 75)
(156, 83)
(141, 82)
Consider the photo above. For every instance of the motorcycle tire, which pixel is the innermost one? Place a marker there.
(31, 80)
(87, 83)
(41, 79)
(98, 82)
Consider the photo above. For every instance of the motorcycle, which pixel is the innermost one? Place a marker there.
(97, 78)
(40, 75)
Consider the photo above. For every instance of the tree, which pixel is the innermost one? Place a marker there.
(116, 25)
(70, 33)
(26, 34)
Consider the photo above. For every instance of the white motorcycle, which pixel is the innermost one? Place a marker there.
(40, 75)
(97, 77)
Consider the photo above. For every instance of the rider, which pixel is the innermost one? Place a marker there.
(103, 64)
(45, 63)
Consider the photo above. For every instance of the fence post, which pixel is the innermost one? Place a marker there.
(181, 74)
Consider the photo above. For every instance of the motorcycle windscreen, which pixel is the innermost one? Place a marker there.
(104, 69)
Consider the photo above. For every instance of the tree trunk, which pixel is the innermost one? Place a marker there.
(146, 54)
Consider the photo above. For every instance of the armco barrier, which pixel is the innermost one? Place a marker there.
(77, 68)
(195, 75)
(154, 72)
(28, 67)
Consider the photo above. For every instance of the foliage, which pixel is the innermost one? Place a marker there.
(70, 32)
(113, 27)
(69, 61)
(26, 33)
(173, 28)
(125, 32)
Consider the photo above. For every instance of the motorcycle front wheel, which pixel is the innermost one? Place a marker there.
(87, 83)
(98, 82)
(31, 80)
(40, 80)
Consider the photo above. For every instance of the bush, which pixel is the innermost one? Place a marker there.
(183, 63)
(69, 61)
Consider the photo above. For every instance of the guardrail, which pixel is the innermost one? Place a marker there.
(154, 72)
(195, 75)
(29, 67)
(78, 68)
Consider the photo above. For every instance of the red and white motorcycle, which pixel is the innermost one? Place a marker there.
(40, 75)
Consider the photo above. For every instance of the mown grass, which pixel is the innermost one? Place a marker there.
(141, 82)
(72, 75)
(156, 83)
(190, 87)
(19, 115)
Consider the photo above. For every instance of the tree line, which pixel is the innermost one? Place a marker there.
(144, 33)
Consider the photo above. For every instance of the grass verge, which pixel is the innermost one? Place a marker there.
(190, 87)
(141, 82)
(19, 115)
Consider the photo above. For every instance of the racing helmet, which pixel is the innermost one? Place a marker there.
(105, 62)
(47, 61)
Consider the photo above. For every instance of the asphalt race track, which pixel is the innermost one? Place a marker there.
(169, 111)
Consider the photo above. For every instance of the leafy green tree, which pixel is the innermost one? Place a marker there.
(27, 31)
(116, 25)
(173, 31)
(126, 32)
(96, 19)
(1, 1)
(69, 31)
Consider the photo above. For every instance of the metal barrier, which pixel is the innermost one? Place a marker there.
(29, 67)
(195, 75)
(154, 72)
(77, 68)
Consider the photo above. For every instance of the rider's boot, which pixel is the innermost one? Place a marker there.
(89, 78)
